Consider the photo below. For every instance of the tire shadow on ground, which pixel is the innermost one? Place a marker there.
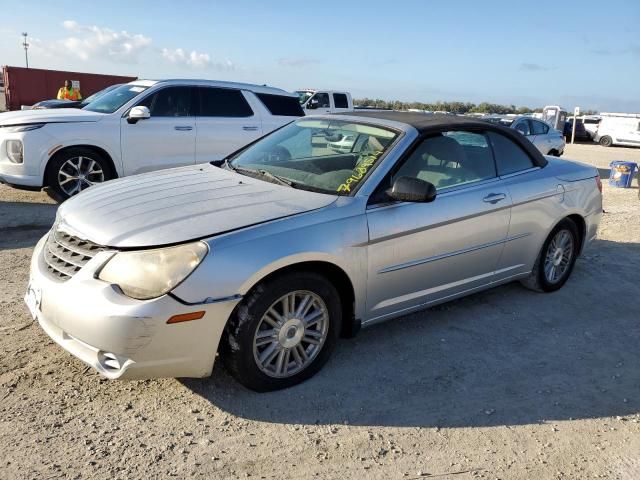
(506, 356)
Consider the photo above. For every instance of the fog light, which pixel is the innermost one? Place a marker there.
(15, 151)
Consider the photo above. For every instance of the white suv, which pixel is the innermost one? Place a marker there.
(137, 127)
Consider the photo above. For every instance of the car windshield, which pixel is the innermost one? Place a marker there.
(328, 156)
(113, 100)
(95, 96)
(303, 96)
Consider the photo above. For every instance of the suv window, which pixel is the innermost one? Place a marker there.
(340, 100)
(322, 99)
(223, 102)
(523, 127)
(169, 102)
(281, 105)
(510, 158)
(538, 128)
(449, 159)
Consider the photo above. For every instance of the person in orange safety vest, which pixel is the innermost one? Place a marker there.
(68, 92)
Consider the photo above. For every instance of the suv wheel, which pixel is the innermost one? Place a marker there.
(283, 332)
(76, 169)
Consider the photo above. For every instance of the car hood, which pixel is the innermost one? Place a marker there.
(58, 115)
(178, 205)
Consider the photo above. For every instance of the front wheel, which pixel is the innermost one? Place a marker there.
(283, 332)
(75, 170)
(556, 259)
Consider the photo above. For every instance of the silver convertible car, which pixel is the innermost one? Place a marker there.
(269, 257)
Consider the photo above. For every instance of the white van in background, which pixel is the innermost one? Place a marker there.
(619, 129)
(324, 101)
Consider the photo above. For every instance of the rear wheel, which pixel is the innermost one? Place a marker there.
(606, 141)
(283, 332)
(556, 259)
(76, 169)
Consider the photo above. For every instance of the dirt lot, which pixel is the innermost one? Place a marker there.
(503, 384)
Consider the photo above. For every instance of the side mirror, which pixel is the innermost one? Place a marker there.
(138, 113)
(312, 105)
(409, 189)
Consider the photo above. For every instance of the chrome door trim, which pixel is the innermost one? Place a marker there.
(428, 227)
(434, 258)
(407, 310)
(521, 172)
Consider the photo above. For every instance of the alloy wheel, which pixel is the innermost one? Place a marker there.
(291, 334)
(558, 257)
(79, 173)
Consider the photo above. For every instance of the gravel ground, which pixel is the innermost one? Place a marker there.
(504, 384)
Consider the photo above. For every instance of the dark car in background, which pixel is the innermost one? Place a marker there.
(46, 104)
(582, 135)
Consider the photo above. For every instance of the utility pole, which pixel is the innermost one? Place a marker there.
(26, 47)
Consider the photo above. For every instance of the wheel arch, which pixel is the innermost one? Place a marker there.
(582, 228)
(337, 276)
(99, 150)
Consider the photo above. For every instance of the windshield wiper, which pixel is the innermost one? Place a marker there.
(255, 172)
(277, 178)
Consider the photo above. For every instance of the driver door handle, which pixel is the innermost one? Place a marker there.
(494, 198)
(250, 128)
(183, 128)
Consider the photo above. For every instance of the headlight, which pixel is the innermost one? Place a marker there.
(145, 274)
(22, 128)
(15, 151)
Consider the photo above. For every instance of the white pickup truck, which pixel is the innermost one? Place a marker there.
(324, 101)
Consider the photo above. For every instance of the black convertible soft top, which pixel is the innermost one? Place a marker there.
(432, 123)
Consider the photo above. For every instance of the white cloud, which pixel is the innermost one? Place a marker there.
(195, 59)
(90, 42)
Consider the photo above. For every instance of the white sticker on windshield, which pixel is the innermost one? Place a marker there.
(136, 89)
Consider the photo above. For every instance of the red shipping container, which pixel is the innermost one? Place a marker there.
(26, 86)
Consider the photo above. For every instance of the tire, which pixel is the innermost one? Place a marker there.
(539, 280)
(66, 182)
(553, 153)
(254, 332)
(606, 141)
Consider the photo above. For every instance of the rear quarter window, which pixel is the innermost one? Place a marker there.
(340, 100)
(510, 157)
(281, 105)
(223, 102)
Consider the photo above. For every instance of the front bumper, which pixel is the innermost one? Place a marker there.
(122, 337)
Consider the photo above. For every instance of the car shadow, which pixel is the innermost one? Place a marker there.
(23, 223)
(506, 356)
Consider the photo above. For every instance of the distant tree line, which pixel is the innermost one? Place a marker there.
(453, 107)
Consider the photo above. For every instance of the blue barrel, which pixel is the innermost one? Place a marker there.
(621, 173)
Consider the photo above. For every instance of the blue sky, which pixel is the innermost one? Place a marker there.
(584, 53)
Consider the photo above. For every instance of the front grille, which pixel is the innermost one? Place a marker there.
(65, 254)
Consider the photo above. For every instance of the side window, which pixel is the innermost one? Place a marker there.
(281, 105)
(510, 158)
(449, 159)
(340, 100)
(539, 128)
(523, 127)
(223, 102)
(322, 99)
(169, 102)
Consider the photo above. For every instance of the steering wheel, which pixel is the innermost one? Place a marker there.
(280, 153)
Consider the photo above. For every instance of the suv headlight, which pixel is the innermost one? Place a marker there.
(15, 151)
(145, 274)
